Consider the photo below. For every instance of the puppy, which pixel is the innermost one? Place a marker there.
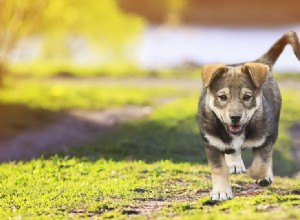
(239, 108)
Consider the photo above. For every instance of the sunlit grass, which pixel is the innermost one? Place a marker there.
(70, 187)
(120, 70)
(62, 96)
(61, 187)
(58, 188)
(117, 70)
(69, 69)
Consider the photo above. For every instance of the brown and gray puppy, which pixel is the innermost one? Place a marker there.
(239, 108)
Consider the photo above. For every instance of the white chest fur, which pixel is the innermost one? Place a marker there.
(237, 142)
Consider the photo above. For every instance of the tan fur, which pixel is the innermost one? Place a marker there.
(209, 71)
(260, 169)
(257, 71)
(224, 114)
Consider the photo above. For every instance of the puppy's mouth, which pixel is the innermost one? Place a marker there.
(235, 129)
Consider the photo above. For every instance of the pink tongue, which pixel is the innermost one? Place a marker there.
(235, 128)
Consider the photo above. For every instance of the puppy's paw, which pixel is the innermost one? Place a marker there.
(262, 175)
(235, 164)
(236, 168)
(264, 182)
(221, 195)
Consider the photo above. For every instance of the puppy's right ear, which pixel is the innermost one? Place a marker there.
(210, 71)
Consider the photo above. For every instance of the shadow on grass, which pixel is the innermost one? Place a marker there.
(149, 141)
(145, 139)
(16, 119)
(152, 141)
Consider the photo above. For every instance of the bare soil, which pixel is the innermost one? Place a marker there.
(149, 206)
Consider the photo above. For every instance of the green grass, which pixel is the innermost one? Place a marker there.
(121, 70)
(156, 163)
(28, 104)
(43, 68)
(58, 188)
(63, 96)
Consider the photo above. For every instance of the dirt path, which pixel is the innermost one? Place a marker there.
(71, 129)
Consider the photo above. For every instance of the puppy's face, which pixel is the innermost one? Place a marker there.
(234, 95)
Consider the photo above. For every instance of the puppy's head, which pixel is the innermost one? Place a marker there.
(234, 92)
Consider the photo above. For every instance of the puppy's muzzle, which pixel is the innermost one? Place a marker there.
(235, 118)
(234, 127)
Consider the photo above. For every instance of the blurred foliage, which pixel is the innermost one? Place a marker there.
(58, 22)
(102, 23)
(17, 20)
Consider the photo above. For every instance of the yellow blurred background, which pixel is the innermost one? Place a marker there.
(134, 34)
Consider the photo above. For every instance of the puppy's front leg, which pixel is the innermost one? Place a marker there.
(235, 162)
(221, 189)
(261, 167)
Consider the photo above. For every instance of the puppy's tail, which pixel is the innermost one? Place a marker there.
(271, 56)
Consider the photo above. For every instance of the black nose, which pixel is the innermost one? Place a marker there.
(235, 118)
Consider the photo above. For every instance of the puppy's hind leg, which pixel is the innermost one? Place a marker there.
(221, 189)
(261, 167)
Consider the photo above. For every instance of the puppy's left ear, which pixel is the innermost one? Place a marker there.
(210, 71)
(257, 71)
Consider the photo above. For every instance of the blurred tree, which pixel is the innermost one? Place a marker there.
(101, 23)
(175, 8)
(17, 19)
(157, 12)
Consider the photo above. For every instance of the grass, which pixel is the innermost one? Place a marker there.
(61, 96)
(121, 70)
(34, 103)
(155, 163)
(171, 133)
(60, 188)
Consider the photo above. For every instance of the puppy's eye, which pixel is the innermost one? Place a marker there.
(247, 97)
(223, 98)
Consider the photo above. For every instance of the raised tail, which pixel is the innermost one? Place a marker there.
(271, 56)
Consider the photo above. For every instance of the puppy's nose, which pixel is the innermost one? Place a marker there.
(235, 118)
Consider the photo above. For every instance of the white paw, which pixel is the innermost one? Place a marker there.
(221, 196)
(235, 163)
(237, 168)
